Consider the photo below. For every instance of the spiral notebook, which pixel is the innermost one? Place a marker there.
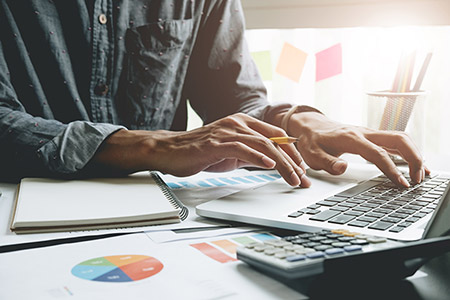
(51, 205)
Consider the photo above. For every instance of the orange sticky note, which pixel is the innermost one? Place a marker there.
(291, 62)
(329, 62)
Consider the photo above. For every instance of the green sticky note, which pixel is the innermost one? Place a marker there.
(264, 64)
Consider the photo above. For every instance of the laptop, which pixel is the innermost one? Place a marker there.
(342, 257)
(372, 206)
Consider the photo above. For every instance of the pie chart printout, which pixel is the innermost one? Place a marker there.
(118, 268)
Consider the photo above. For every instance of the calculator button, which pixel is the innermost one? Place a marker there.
(334, 251)
(376, 240)
(359, 242)
(322, 247)
(317, 254)
(260, 248)
(340, 244)
(252, 245)
(352, 248)
(281, 254)
(293, 247)
(297, 257)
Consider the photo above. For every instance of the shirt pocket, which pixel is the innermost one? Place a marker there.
(154, 53)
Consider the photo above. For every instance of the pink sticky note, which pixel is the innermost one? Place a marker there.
(329, 62)
(291, 62)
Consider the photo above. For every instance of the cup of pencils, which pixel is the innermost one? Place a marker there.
(403, 108)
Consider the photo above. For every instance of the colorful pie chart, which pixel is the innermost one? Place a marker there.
(118, 268)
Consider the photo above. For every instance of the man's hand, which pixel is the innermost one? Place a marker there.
(232, 142)
(322, 141)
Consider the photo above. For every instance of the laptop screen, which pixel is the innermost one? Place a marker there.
(439, 224)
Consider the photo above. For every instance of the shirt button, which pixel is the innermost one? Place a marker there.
(102, 19)
(101, 89)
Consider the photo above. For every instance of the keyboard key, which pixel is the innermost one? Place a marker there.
(413, 219)
(367, 219)
(295, 214)
(359, 223)
(374, 215)
(339, 208)
(357, 201)
(405, 224)
(327, 203)
(399, 215)
(396, 229)
(371, 205)
(383, 210)
(314, 206)
(362, 208)
(358, 189)
(347, 204)
(420, 215)
(391, 220)
(354, 213)
(336, 199)
(341, 219)
(325, 215)
(380, 225)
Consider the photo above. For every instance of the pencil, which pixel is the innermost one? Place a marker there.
(282, 140)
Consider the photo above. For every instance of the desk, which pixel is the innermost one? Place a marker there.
(432, 286)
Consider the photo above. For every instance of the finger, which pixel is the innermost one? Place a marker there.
(318, 159)
(305, 182)
(405, 147)
(288, 169)
(265, 159)
(293, 153)
(380, 157)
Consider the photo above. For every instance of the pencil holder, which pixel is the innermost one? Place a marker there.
(398, 111)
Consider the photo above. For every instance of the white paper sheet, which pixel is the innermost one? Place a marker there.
(46, 273)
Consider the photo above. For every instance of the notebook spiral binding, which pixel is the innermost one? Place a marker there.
(170, 196)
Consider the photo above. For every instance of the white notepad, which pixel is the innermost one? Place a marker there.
(50, 205)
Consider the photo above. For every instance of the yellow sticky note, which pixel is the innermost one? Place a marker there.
(262, 61)
(291, 62)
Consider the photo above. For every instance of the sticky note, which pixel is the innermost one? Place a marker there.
(264, 64)
(291, 62)
(329, 62)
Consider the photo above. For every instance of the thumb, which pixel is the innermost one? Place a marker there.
(323, 161)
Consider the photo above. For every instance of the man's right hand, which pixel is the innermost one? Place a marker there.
(226, 144)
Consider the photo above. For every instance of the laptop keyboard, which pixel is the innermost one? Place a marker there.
(379, 204)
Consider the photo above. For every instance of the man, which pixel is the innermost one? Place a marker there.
(94, 87)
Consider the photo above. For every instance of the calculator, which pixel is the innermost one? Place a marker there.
(339, 251)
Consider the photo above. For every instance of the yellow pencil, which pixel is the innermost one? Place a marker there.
(281, 140)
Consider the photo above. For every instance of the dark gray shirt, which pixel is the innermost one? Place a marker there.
(74, 71)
